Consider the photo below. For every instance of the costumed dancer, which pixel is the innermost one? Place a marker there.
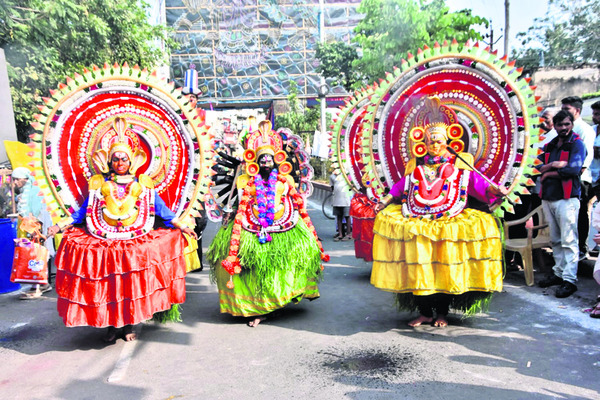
(121, 159)
(114, 269)
(269, 255)
(429, 247)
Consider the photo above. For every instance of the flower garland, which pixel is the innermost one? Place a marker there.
(431, 160)
(231, 263)
(266, 204)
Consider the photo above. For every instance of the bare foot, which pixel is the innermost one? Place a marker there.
(441, 321)
(420, 320)
(129, 334)
(111, 335)
(254, 323)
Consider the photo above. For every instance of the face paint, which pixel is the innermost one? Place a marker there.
(120, 163)
(266, 161)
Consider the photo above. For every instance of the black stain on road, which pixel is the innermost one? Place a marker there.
(369, 363)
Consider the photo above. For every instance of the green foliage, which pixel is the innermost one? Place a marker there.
(392, 28)
(335, 61)
(45, 41)
(568, 34)
(298, 119)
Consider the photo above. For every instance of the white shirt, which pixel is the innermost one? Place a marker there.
(595, 167)
(588, 135)
(341, 192)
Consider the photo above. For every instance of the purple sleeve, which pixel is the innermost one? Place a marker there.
(478, 188)
(398, 188)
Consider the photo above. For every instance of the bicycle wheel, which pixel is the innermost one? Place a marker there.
(327, 207)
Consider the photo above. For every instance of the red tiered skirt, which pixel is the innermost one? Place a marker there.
(118, 282)
(362, 211)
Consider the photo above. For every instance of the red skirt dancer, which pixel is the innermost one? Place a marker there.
(104, 283)
(362, 211)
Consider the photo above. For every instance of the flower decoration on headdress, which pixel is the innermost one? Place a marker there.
(119, 139)
(265, 141)
(436, 121)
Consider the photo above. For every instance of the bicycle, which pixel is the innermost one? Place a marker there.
(327, 206)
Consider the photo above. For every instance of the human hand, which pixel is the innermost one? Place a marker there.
(53, 230)
(189, 231)
(379, 206)
(597, 238)
(558, 164)
(497, 191)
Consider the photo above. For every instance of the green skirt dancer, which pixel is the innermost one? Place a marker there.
(273, 274)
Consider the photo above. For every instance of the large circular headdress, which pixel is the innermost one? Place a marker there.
(492, 105)
(118, 104)
(346, 140)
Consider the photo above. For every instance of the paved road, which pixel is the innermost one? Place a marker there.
(349, 344)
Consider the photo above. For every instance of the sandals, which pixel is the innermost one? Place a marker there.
(35, 293)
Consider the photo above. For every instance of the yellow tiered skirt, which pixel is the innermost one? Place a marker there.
(448, 255)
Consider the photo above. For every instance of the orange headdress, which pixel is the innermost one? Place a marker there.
(435, 120)
(265, 141)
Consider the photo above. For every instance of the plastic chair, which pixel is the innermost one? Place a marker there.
(525, 246)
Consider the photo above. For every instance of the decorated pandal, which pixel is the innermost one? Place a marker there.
(487, 113)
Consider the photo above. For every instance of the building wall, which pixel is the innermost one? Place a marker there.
(252, 49)
(554, 84)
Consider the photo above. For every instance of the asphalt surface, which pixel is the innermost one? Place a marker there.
(349, 344)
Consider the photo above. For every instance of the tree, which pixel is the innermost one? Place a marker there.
(45, 41)
(335, 61)
(298, 119)
(392, 28)
(567, 34)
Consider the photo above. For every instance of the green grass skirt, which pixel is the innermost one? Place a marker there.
(469, 303)
(275, 273)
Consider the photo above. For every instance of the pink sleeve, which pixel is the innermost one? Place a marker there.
(478, 189)
(398, 188)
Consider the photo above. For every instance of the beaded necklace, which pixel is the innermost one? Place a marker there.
(265, 199)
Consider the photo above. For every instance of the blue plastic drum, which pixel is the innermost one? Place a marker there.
(8, 232)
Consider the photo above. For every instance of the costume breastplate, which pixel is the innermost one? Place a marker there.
(435, 191)
(285, 217)
(118, 211)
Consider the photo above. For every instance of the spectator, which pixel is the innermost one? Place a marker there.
(595, 167)
(547, 125)
(341, 207)
(532, 201)
(563, 160)
(29, 203)
(574, 104)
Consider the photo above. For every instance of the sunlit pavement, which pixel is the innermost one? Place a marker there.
(351, 343)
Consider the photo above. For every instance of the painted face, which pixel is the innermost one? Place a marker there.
(574, 111)
(436, 145)
(596, 116)
(564, 127)
(120, 163)
(266, 161)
